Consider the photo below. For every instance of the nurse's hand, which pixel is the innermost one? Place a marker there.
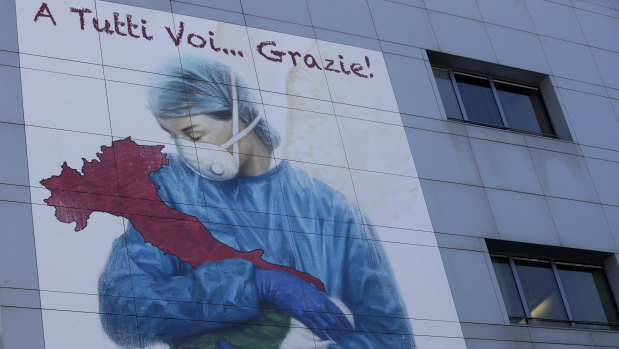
(303, 301)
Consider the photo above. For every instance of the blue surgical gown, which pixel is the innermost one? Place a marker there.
(146, 296)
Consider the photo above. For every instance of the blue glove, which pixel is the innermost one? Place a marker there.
(293, 295)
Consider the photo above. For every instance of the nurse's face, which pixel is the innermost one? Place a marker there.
(198, 128)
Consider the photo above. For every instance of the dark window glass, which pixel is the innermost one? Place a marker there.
(541, 292)
(478, 99)
(588, 295)
(509, 290)
(523, 108)
(448, 95)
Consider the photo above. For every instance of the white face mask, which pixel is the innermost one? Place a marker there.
(212, 161)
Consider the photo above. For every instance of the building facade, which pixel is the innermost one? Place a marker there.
(309, 173)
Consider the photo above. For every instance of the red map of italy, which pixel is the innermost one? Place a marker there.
(118, 183)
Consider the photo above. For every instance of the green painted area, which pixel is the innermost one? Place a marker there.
(267, 330)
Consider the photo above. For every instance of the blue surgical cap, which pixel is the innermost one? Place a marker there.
(195, 85)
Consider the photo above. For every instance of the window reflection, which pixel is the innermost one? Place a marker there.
(448, 95)
(555, 293)
(588, 295)
(540, 290)
(478, 99)
(509, 290)
(523, 108)
(488, 101)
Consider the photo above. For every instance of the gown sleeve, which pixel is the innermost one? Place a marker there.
(170, 298)
(369, 289)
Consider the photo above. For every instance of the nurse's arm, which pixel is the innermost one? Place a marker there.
(171, 298)
(369, 289)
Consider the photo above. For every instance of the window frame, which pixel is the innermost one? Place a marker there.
(573, 323)
(497, 100)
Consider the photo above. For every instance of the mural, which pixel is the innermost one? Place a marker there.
(173, 256)
(199, 184)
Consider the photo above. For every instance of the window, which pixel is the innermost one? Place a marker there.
(548, 291)
(492, 101)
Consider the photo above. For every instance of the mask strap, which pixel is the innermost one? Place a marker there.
(235, 118)
(237, 136)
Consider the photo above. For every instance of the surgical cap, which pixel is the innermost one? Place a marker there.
(194, 85)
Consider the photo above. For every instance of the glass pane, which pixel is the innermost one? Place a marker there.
(540, 290)
(588, 294)
(509, 290)
(523, 108)
(448, 96)
(478, 99)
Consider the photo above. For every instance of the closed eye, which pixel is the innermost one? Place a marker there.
(191, 135)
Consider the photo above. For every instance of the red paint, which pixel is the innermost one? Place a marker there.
(118, 184)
